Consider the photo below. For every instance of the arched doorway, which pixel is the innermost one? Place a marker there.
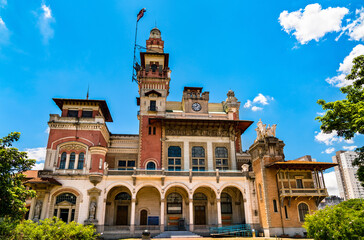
(147, 209)
(65, 207)
(143, 217)
(232, 206)
(176, 208)
(199, 205)
(118, 206)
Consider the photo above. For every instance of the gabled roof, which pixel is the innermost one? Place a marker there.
(101, 103)
(153, 91)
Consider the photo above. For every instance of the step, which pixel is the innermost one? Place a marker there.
(177, 234)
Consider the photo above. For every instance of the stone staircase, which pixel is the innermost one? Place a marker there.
(177, 234)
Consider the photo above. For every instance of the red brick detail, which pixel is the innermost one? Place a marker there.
(80, 113)
(95, 163)
(64, 112)
(58, 136)
(151, 147)
(95, 113)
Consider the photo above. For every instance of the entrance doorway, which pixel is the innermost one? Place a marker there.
(64, 214)
(143, 217)
(122, 215)
(200, 215)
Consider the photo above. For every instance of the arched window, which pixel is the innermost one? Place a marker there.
(72, 161)
(65, 207)
(198, 159)
(275, 208)
(81, 159)
(221, 158)
(174, 203)
(226, 207)
(174, 158)
(123, 196)
(151, 166)
(302, 211)
(143, 217)
(62, 164)
(199, 197)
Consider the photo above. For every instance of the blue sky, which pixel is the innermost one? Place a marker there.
(278, 57)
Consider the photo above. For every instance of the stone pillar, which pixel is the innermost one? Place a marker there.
(31, 210)
(191, 214)
(67, 160)
(219, 220)
(233, 155)
(162, 215)
(45, 207)
(186, 155)
(210, 157)
(132, 217)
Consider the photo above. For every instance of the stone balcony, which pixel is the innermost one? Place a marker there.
(303, 192)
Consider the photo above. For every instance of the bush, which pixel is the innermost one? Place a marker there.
(343, 221)
(53, 229)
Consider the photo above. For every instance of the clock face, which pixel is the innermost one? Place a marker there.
(196, 107)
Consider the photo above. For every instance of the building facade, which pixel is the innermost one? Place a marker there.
(347, 179)
(184, 170)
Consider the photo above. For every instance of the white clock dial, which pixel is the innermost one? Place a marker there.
(196, 107)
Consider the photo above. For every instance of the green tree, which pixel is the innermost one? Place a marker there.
(12, 191)
(53, 229)
(340, 222)
(347, 116)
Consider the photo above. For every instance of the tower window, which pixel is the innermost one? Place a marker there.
(62, 164)
(153, 106)
(154, 130)
(86, 114)
(71, 165)
(150, 131)
(221, 155)
(275, 205)
(72, 113)
(81, 159)
(151, 166)
(154, 67)
(299, 183)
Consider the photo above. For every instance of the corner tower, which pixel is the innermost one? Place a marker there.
(153, 81)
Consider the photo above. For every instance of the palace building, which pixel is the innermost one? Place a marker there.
(184, 170)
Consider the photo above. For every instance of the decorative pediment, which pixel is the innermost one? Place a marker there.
(153, 93)
(73, 146)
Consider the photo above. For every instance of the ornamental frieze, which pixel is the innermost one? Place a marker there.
(76, 147)
(200, 131)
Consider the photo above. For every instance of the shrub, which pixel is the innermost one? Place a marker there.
(343, 221)
(53, 229)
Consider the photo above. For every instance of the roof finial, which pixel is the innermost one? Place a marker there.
(88, 90)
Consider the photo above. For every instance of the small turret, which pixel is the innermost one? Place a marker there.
(155, 42)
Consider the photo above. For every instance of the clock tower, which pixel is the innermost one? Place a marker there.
(153, 81)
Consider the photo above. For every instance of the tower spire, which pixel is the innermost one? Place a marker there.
(88, 90)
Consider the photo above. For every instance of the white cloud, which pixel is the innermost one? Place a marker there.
(327, 138)
(248, 104)
(331, 183)
(38, 166)
(355, 29)
(4, 33)
(262, 99)
(313, 22)
(328, 150)
(47, 130)
(345, 68)
(36, 153)
(44, 22)
(255, 108)
(350, 148)
(350, 141)
(320, 113)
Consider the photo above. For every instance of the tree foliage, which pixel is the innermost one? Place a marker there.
(53, 229)
(340, 222)
(12, 191)
(347, 116)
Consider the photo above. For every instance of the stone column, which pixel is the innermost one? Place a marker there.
(68, 155)
(186, 155)
(219, 221)
(162, 216)
(132, 217)
(233, 155)
(44, 212)
(210, 156)
(191, 214)
(31, 210)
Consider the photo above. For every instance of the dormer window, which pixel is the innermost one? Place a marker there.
(72, 113)
(86, 114)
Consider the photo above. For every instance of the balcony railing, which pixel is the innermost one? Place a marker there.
(163, 172)
(297, 192)
(153, 108)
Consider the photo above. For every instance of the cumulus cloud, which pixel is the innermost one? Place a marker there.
(36, 153)
(350, 148)
(331, 138)
(255, 108)
(260, 99)
(329, 150)
(320, 113)
(345, 68)
(355, 29)
(38, 166)
(313, 22)
(331, 183)
(45, 19)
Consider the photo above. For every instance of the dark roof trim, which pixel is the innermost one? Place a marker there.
(153, 91)
(301, 165)
(101, 103)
